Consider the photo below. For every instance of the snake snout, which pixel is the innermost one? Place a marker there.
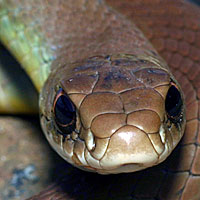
(121, 135)
(130, 149)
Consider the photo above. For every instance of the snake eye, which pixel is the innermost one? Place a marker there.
(173, 102)
(64, 112)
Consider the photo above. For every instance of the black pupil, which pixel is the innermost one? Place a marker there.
(64, 110)
(173, 103)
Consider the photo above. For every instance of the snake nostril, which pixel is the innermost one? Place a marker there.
(64, 112)
(173, 102)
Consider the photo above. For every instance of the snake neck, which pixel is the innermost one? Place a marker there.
(102, 64)
(66, 31)
(91, 28)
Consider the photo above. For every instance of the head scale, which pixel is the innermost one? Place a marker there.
(113, 114)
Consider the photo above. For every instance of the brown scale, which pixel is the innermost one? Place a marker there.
(173, 28)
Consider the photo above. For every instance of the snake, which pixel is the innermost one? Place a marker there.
(118, 82)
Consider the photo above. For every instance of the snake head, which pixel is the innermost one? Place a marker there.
(113, 114)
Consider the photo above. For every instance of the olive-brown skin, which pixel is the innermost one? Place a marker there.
(98, 60)
(176, 37)
(169, 180)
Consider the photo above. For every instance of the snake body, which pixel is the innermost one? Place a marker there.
(115, 80)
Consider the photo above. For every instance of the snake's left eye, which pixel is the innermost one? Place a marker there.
(173, 102)
(64, 112)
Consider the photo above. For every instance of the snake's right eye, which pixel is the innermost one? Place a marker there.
(173, 103)
(64, 113)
